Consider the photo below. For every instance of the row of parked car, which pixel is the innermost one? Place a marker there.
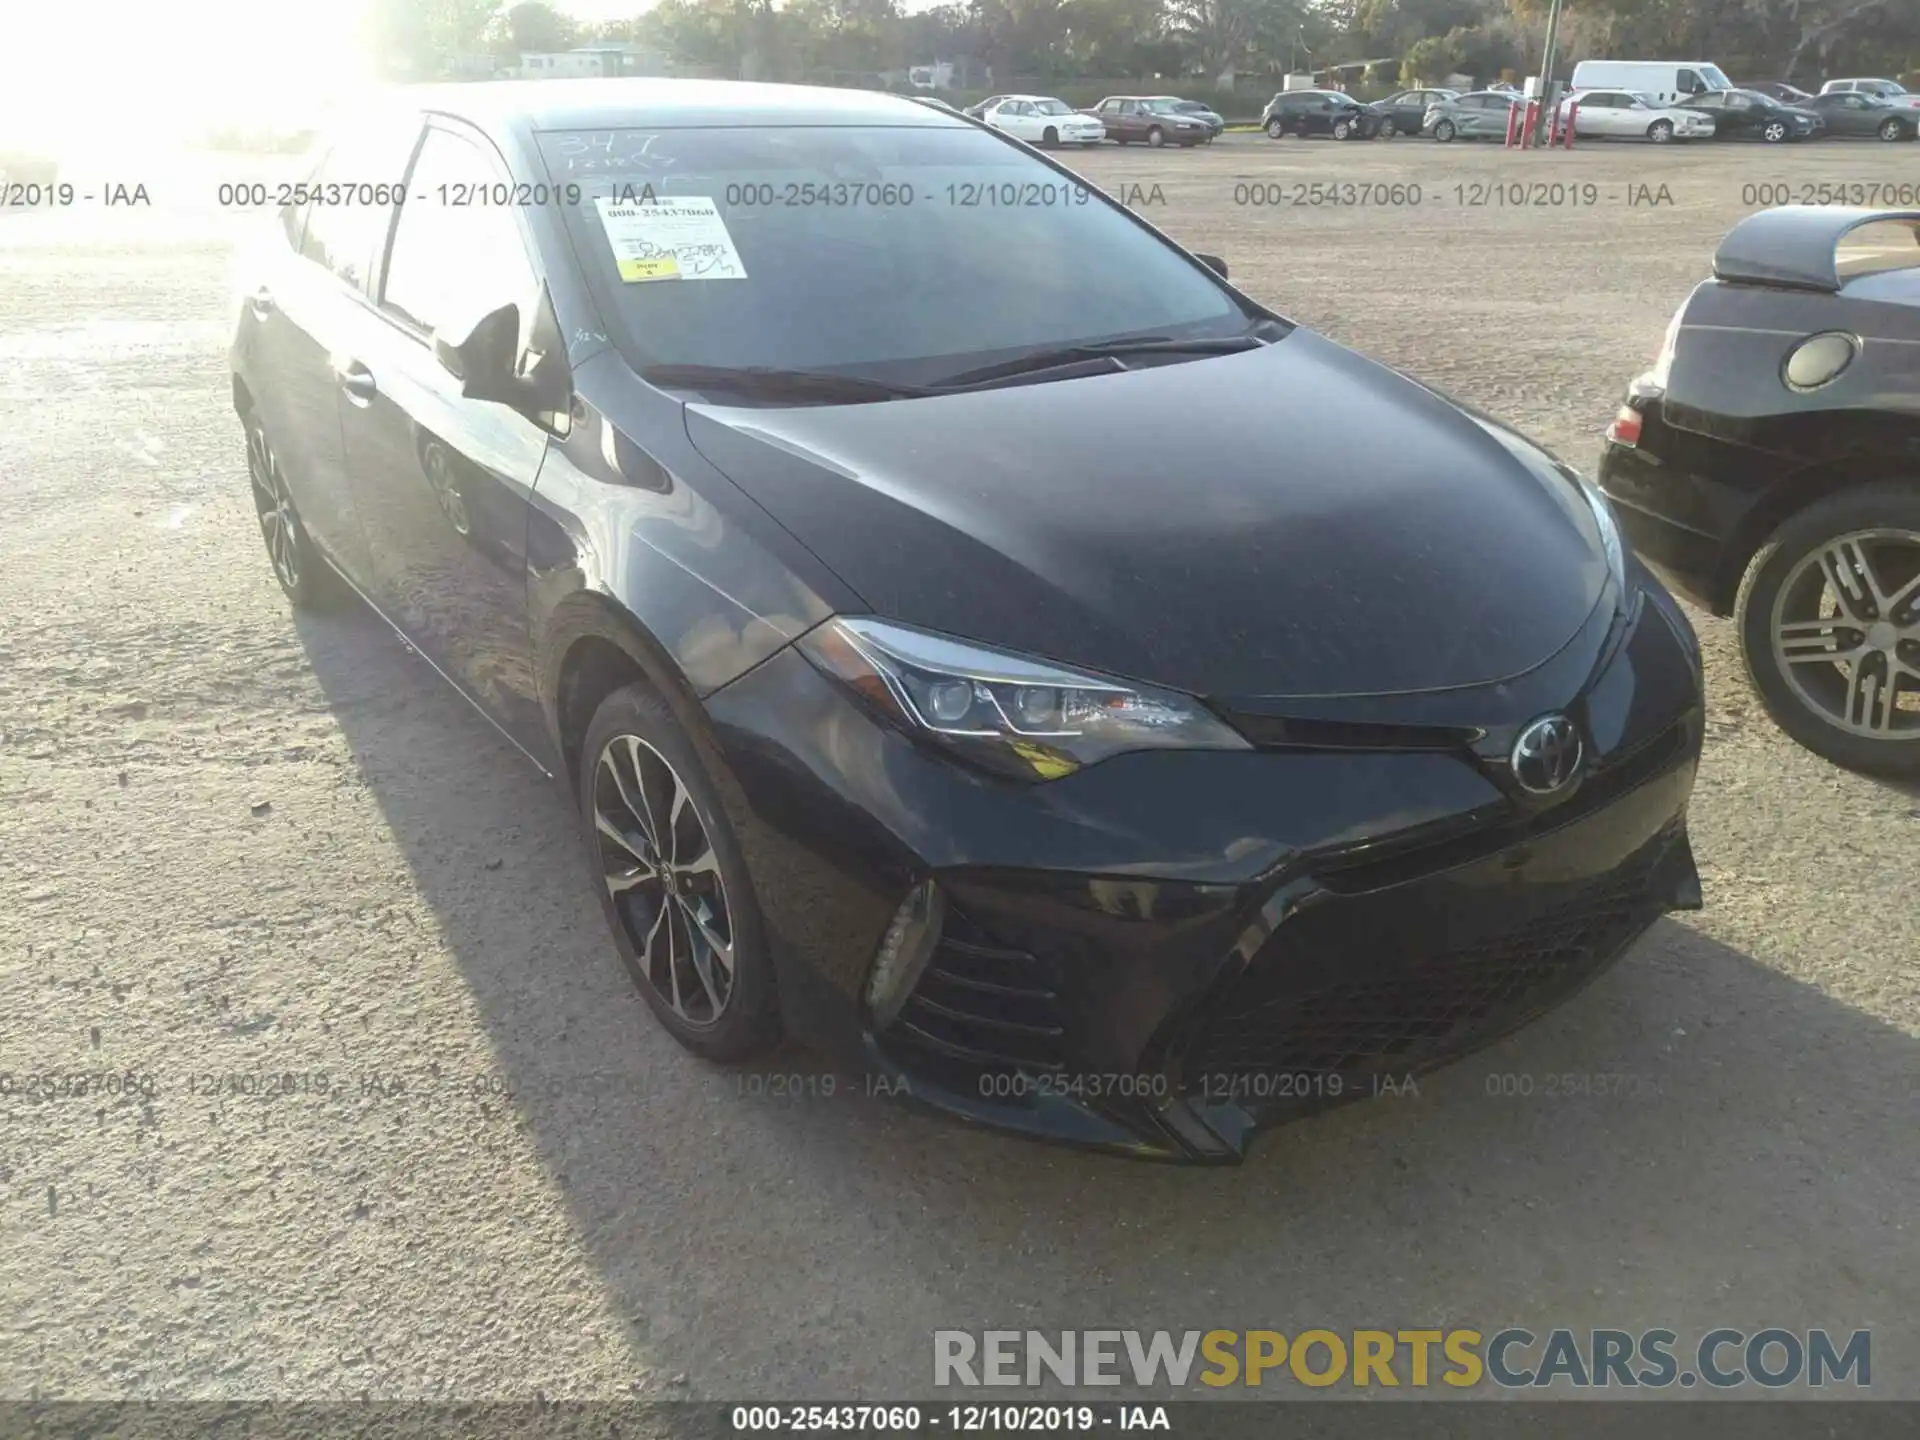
(1147, 119)
(1769, 112)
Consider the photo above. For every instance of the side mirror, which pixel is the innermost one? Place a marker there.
(1213, 263)
(486, 361)
(483, 360)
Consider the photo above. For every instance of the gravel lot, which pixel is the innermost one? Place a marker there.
(233, 844)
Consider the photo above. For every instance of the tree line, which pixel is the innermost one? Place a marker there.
(1214, 42)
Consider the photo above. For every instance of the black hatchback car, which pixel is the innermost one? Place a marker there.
(1769, 465)
(1306, 113)
(1749, 115)
(1068, 690)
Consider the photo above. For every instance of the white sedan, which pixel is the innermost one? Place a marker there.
(1042, 120)
(1623, 115)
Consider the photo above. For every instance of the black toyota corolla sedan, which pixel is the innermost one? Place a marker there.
(977, 639)
(1769, 466)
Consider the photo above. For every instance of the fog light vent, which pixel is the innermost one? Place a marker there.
(903, 954)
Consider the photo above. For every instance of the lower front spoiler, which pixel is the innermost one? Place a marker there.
(1348, 988)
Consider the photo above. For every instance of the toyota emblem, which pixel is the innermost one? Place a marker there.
(1547, 756)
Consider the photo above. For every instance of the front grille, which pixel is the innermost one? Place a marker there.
(1468, 839)
(982, 1007)
(1404, 1016)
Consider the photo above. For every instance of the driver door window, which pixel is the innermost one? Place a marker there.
(455, 258)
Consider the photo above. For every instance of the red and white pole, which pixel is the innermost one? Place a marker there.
(1573, 120)
(1513, 125)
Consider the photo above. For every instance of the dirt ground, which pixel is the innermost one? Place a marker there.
(237, 847)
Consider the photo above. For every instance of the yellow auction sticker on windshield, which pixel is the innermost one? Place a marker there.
(677, 237)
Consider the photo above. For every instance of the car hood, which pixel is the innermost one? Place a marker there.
(1292, 521)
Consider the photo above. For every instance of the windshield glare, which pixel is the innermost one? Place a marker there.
(1053, 107)
(900, 253)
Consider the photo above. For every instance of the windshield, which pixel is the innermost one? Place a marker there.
(899, 253)
(1053, 107)
(1164, 107)
(1883, 87)
(1713, 76)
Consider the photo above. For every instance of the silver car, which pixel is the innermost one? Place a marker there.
(1473, 116)
(1624, 115)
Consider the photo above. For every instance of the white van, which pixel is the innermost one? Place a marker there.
(1668, 81)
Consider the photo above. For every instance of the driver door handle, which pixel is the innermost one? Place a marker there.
(357, 380)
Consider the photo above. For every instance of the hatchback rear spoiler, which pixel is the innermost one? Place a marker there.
(1798, 246)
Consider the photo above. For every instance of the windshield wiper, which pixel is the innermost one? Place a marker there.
(774, 383)
(1074, 355)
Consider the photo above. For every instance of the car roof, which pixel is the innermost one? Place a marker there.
(603, 103)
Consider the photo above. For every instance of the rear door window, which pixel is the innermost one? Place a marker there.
(351, 199)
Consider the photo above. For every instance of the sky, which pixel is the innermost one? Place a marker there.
(136, 71)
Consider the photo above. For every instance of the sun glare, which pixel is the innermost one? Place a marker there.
(146, 74)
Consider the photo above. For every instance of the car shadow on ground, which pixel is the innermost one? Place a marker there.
(1695, 1139)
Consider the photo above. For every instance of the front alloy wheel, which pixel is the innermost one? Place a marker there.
(1388, 129)
(1342, 129)
(1276, 130)
(1774, 133)
(1830, 628)
(1156, 137)
(1660, 132)
(1443, 132)
(672, 880)
(658, 863)
(1893, 130)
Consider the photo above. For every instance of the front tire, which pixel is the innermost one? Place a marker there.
(1388, 129)
(1893, 130)
(1342, 129)
(1444, 131)
(1050, 137)
(1276, 130)
(305, 578)
(1774, 132)
(1156, 137)
(1660, 132)
(1829, 621)
(672, 882)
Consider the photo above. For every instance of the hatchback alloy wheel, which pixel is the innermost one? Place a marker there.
(1846, 632)
(659, 865)
(1829, 617)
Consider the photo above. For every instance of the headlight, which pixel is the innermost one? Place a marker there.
(1018, 717)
